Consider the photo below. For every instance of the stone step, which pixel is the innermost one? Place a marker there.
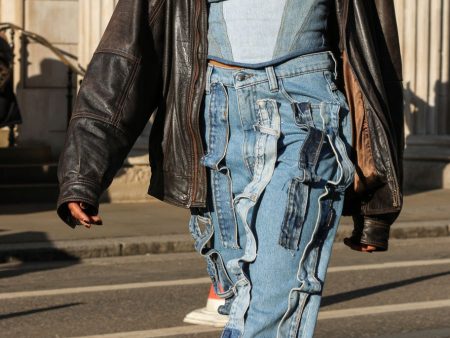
(4, 137)
(28, 173)
(25, 155)
(28, 193)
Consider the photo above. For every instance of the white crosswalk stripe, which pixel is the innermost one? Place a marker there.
(390, 265)
(103, 288)
(202, 280)
(331, 314)
(159, 333)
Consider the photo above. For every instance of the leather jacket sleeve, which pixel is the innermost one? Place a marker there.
(372, 61)
(116, 98)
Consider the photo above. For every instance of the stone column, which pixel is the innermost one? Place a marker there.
(11, 11)
(93, 18)
(424, 28)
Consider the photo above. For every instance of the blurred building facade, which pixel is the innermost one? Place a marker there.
(424, 29)
(77, 25)
(41, 82)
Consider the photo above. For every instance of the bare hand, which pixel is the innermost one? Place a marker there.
(78, 211)
(359, 246)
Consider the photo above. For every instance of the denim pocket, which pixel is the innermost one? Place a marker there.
(311, 87)
(202, 230)
(335, 92)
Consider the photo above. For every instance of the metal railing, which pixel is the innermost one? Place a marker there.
(66, 58)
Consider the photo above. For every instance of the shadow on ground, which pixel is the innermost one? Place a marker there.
(26, 208)
(350, 295)
(38, 310)
(39, 249)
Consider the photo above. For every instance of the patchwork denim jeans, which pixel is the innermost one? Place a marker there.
(277, 141)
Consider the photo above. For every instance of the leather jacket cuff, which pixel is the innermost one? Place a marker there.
(372, 230)
(86, 192)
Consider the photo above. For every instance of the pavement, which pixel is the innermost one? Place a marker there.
(35, 233)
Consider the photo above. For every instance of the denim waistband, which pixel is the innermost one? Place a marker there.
(243, 77)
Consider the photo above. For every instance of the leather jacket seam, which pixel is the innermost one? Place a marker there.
(176, 175)
(392, 180)
(157, 9)
(176, 202)
(373, 212)
(122, 98)
(81, 180)
(85, 114)
(73, 198)
(118, 52)
(366, 112)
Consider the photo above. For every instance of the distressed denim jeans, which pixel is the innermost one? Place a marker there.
(277, 141)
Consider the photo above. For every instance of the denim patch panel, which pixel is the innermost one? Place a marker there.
(277, 31)
(217, 126)
(202, 231)
(294, 214)
(217, 134)
(223, 201)
(221, 281)
(231, 333)
(323, 116)
(268, 131)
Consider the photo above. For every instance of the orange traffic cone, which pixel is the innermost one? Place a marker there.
(208, 315)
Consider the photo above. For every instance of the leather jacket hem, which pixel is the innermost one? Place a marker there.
(373, 230)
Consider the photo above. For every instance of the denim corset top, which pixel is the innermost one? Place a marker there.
(258, 33)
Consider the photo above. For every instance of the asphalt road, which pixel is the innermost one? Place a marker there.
(404, 293)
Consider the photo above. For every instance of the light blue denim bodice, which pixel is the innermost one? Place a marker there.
(258, 33)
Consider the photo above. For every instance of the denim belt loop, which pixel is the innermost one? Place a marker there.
(273, 81)
(208, 79)
(335, 65)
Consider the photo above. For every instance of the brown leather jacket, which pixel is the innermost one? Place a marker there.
(152, 59)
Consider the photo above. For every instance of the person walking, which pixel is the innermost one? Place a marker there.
(273, 119)
(9, 110)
